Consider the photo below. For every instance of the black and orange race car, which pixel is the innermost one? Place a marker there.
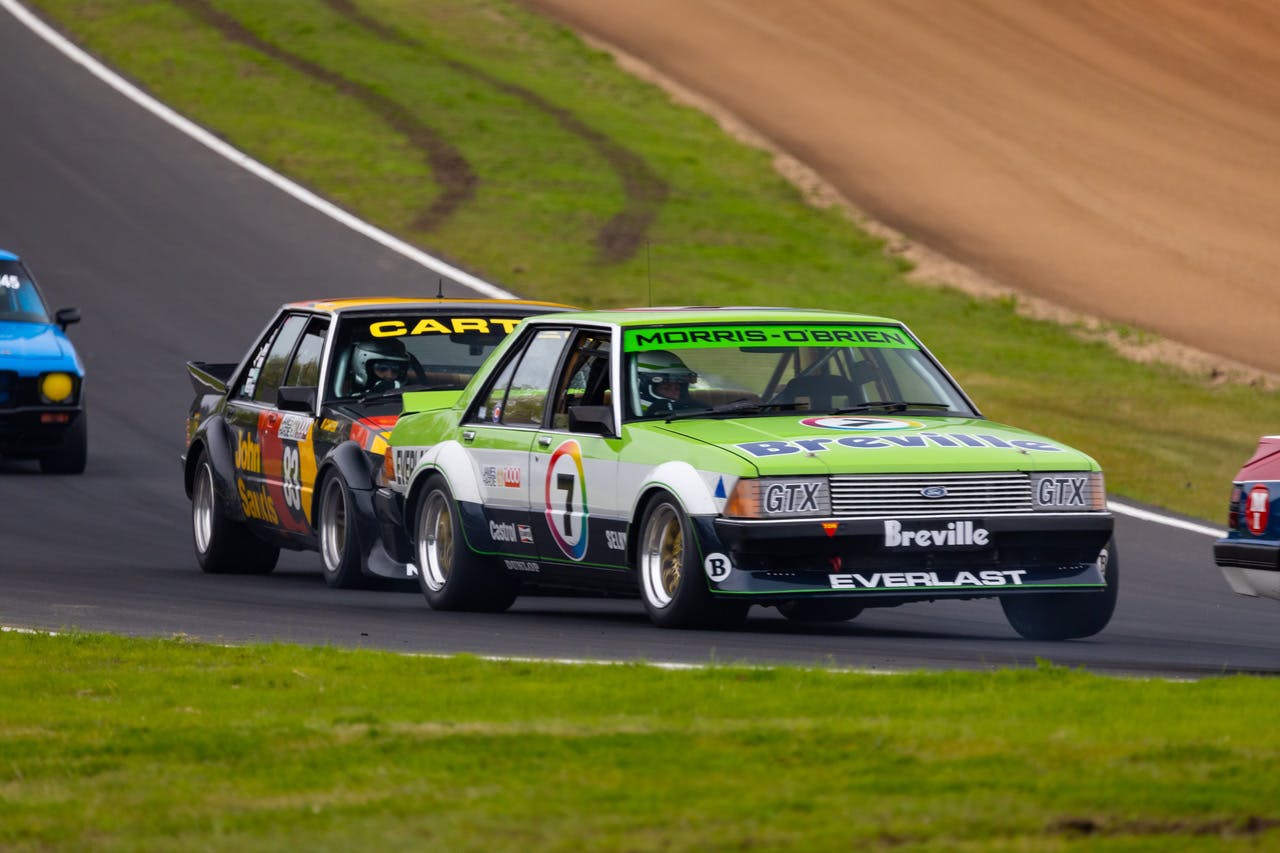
(283, 447)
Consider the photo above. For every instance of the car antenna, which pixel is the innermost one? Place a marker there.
(648, 261)
(439, 288)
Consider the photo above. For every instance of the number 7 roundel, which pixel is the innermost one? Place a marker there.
(565, 499)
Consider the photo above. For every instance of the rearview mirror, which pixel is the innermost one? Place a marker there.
(597, 420)
(66, 316)
(296, 398)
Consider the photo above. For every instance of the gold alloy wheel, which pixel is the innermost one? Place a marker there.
(435, 540)
(662, 556)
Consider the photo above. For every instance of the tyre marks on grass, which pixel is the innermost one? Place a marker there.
(450, 168)
(625, 232)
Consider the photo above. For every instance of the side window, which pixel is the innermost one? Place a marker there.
(584, 381)
(305, 369)
(526, 381)
(267, 372)
(490, 411)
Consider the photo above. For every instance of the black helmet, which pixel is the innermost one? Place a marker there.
(368, 356)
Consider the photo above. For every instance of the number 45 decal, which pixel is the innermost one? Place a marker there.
(565, 500)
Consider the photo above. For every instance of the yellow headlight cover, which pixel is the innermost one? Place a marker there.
(57, 387)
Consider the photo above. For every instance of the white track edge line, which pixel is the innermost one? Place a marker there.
(204, 137)
(1168, 521)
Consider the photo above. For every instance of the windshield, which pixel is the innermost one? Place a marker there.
(19, 299)
(387, 354)
(771, 368)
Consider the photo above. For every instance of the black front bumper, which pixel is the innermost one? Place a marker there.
(27, 432)
(867, 558)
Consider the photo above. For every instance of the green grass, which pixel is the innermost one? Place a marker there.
(553, 134)
(119, 744)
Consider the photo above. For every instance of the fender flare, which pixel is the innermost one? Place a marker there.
(684, 482)
(450, 460)
(214, 439)
(352, 464)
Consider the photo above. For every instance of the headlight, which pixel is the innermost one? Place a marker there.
(57, 387)
(779, 497)
(1083, 491)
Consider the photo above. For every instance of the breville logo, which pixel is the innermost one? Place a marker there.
(955, 533)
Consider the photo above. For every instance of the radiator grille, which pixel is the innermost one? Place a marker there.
(872, 496)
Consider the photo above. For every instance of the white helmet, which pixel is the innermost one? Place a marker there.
(370, 355)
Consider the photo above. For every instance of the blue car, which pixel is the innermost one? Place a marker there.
(42, 414)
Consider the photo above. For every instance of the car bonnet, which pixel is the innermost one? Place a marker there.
(843, 444)
(34, 346)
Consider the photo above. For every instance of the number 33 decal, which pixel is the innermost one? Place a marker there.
(565, 500)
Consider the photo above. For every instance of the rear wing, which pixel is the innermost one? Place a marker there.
(210, 378)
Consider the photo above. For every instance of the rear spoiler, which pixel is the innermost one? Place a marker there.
(426, 401)
(210, 378)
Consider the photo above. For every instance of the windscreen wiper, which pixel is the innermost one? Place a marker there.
(734, 407)
(890, 405)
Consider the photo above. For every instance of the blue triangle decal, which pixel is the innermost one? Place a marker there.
(720, 493)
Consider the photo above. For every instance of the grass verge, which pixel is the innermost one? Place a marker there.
(497, 139)
(112, 743)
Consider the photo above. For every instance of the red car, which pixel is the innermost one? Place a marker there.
(1249, 556)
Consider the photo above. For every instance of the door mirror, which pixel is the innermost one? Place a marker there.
(66, 316)
(597, 420)
(296, 398)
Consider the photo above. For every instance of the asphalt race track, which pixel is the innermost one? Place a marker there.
(173, 253)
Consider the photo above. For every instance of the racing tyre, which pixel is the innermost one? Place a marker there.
(820, 610)
(672, 583)
(450, 575)
(340, 552)
(1070, 615)
(70, 457)
(223, 545)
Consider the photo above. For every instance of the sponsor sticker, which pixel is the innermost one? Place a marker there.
(956, 533)
(503, 532)
(295, 427)
(952, 440)
(717, 566)
(10, 282)
(565, 500)
(1054, 491)
(442, 326)
(501, 476)
(405, 460)
(248, 454)
(771, 335)
(522, 566)
(860, 423)
(526, 533)
(909, 580)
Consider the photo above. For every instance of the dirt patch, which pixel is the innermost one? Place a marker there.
(1117, 163)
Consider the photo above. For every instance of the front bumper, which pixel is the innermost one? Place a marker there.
(31, 431)
(874, 559)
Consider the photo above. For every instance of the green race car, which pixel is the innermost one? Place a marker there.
(708, 459)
